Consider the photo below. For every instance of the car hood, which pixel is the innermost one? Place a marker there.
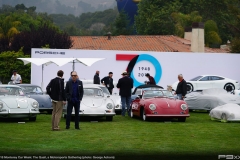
(92, 101)
(162, 102)
(116, 99)
(15, 102)
(43, 100)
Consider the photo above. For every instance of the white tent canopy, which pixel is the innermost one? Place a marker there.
(59, 62)
(36, 61)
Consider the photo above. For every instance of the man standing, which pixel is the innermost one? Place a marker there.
(181, 87)
(55, 89)
(96, 79)
(16, 78)
(108, 82)
(125, 84)
(74, 93)
(151, 79)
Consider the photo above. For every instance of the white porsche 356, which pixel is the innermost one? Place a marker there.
(95, 103)
(13, 103)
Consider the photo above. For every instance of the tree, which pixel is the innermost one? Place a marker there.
(38, 37)
(122, 25)
(154, 17)
(8, 28)
(212, 38)
(9, 62)
(184, 20)
(234, 26)
(211, 10)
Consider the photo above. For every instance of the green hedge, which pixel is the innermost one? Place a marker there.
(9, 62)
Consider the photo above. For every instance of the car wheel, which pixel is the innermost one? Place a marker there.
(109, 118)
(143, 114)
(224, 117)
(32, 118)
(189, 87)
(183, 119)
(229, 87)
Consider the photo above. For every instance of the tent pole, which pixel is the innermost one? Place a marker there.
(42, 85)
(73, 65)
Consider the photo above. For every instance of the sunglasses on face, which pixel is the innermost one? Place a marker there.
(74, 75)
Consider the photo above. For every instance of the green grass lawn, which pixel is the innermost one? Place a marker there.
(123, 136)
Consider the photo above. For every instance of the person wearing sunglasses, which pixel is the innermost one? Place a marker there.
(74, 93)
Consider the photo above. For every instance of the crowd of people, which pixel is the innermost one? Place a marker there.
(73, 93)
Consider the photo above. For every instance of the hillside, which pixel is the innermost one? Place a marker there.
(75, 7)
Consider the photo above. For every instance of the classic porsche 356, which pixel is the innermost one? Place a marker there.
(14, 104)
(159, 103)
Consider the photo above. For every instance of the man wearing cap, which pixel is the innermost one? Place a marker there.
(125, 84)
(74, 93)
(16, 78)
(108, 82)
(151, 79)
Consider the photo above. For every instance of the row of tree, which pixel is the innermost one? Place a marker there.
(162, 17)
(74, 7)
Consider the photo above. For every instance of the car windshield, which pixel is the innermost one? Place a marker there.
(138, 91)
(11, 91)
(157, 93)
(105, 90)
(32, 89)
(196, 78)
(93, 92)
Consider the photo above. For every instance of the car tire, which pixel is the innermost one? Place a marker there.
(143, 114)
(229, 87)
(109, 118)
(224, 118)
(32, 118)
(182, 119)
(189, 87)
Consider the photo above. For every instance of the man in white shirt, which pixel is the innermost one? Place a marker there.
(16, 78)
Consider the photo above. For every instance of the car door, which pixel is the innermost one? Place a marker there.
(204, 83)
(217, 82)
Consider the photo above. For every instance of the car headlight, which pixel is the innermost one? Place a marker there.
(35, 104)
(184, 107)
(1, 105)
(152, 107)
(109, 106)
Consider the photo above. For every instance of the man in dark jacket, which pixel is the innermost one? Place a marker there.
(151, 79)
(181, 87)
(55, 89)
(125, 84)
(108, 82)
(96, 79)
(74, 93)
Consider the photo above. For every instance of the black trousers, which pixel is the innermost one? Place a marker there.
(69, 113)
(110, 90)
